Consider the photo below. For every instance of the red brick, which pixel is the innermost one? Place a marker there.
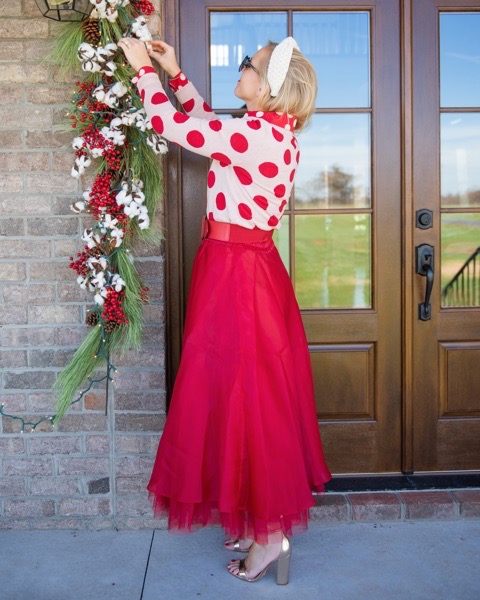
(428, 505)
(83, 466)
(25, 204)
(53, 444)
(12, 445)
(95, 401)
(14, 403)
(97, 444)
(375, 506)
(30, 380)
(134, 465)
(54, 486)
(11, 486)
(469, 501)
(10, 184)
(29, 508)
(83, 422)
(13, 358)
(31, 336)
(135, 506)
(30, 117)
(136, 444)
(23, 28)
(154, 401)
(27, 466)
(132, 485)
(11, 139)
(13, 315)
(330, 507)
(84, 507)
(139, 422)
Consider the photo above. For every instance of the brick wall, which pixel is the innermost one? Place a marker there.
(91, 472)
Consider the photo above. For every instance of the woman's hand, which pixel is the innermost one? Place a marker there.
(165, 56)
(135, 52)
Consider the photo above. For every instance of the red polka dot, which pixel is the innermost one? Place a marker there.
(282, 205)
(211, 179)
(159, 98)
(210, 216)
(220, 201)
(245, 211)
(157, 124)
(195, 139)
(180, 117)
(293, 141)
(279, 190)
(298, 156)
(243, 175)
(239, 142)
(216, 125)
(292, 175)
(142, 95)
(254, 124)
(222, 158)
(268, 169)
(277, 135)
(261, 201)
(189, 104)
(272, 221)
(287, 157)
(206, 108)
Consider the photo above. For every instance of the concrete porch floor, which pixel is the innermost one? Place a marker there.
(379, 561)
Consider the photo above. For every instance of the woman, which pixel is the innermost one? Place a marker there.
(241, 445)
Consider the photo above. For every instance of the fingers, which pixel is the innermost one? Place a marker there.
(160, 45)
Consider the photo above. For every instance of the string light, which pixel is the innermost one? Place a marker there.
(102, 353)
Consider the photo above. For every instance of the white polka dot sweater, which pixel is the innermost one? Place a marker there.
(253, 158)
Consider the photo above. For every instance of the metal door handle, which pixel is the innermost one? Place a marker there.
(425, 267)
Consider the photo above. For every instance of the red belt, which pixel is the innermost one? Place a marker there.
(228, 232)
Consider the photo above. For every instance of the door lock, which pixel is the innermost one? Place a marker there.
(425, 267)
(424, 218)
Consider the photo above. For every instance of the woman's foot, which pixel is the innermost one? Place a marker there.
(242, 545)
(258, 558)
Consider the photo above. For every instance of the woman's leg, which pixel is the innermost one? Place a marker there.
(258, 558)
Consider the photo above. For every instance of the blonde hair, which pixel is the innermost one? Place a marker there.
(298, 92)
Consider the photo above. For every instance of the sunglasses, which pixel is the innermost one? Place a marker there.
(247, 64)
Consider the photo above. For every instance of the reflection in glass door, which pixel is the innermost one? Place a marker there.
(325, 237)
(460, 158)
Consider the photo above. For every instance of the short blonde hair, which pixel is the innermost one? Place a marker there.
(298, 92)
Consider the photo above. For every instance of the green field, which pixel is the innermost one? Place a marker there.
(333, 262)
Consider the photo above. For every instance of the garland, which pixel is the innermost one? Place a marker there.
(114, 134)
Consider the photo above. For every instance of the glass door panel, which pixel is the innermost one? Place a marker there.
(334, 170)
(459, 59)
(459, 158)
(232, 35)
(338, 45)
(332, 260)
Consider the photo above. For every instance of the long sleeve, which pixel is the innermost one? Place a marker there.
(253, 160)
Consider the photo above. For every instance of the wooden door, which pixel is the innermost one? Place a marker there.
(443, 408)
(341, 234)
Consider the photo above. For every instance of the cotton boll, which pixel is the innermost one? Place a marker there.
(109, 68)
(78, 206)
(78, 143)
(119, 89)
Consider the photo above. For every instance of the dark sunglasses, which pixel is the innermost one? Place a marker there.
(247, 64)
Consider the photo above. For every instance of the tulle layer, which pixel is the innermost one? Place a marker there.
(241, 446)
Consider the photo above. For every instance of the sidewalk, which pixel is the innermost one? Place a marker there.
(357, 561)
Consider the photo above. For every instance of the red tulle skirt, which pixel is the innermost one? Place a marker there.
(241, 445)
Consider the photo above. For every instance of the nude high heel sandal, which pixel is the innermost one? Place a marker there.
(283, 566)
(236, 546)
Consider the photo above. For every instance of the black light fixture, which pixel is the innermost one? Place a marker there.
(65, 10)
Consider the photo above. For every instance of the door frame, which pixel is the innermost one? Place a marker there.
(176, 286)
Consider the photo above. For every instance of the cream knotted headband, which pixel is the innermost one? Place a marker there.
(279, 63)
